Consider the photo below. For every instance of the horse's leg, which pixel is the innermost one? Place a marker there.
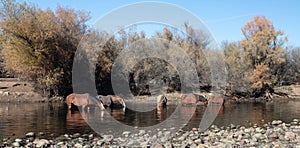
(83, 108)
(100, 106)
(69, 106)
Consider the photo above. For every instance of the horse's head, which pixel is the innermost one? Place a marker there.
(99, 98)
(162, 100)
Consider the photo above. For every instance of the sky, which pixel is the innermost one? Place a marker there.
(224, 18)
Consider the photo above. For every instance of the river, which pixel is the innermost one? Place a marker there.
(16, 119)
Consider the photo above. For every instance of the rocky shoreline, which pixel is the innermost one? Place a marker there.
(274, 134)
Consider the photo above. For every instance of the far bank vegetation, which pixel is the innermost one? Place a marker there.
(39, 46)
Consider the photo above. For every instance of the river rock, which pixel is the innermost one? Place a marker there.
(42, 143)
(194, 129)
(76, 135)
(142, 132)
(276, 122)
(77, 145)
(240, 137)
(168, 145)
(207, 139)
(126, 132)
(30, 144)
(60, 143)
(274, 135)
(276, 144)
(61, 138)
(100, 142)
(91, 136)
(16, 144)
(42, 134)
(108, 138)
(232, 126)
(289, 136)
(247, 130)
(202, 146)
(18, 140)
(30, 134)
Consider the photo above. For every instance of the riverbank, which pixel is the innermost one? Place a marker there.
(15, 90)
(273, 134)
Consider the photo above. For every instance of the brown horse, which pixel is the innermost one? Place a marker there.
(106, 100)
(191, 99)
(161, 101)
(221, 99)
(81, 100)
(117, 102)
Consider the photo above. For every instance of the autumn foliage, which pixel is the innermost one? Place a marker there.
(39, 46)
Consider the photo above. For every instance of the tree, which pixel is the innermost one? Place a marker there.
(236, 69)
(264, 48)
(291, 68)
(195, 44)
(39, 45)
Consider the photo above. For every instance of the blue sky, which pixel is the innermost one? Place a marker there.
(224, 18)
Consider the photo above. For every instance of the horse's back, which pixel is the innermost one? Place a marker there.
(216, 99)
(78, 99)
(117, 101)
(188, 99)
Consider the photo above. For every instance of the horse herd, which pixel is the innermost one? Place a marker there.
(114, 101)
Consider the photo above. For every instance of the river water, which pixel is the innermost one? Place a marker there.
(16, 119)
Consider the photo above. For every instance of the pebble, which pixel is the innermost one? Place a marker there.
(16, 144)
(168, 145)
(274, 135)
(60, 143)
(76, 135)
(18, 140)
(30, 134)
(108, 138)
(289, 136)
(142, 132)
(42, 143)
(247, 130)
(276, 122)
(194, 129)
(77, 145)
(126, 133)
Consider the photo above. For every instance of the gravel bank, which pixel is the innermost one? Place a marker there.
(274, 134)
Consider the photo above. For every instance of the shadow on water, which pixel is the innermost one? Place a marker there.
(18, 119)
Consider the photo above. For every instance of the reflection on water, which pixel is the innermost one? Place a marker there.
(18, 119)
